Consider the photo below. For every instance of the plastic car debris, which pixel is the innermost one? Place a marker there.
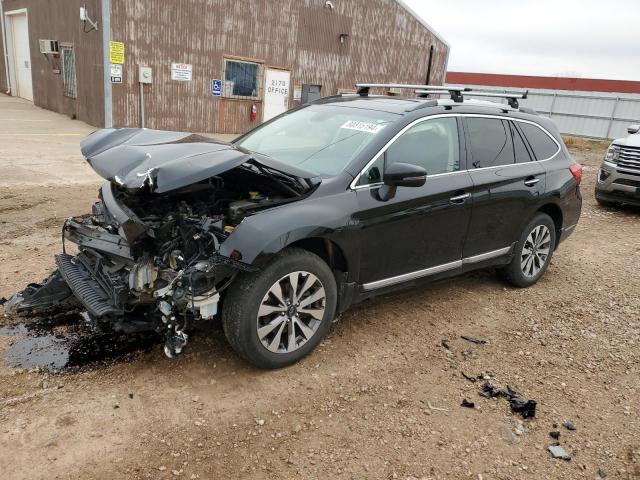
(527, 408)
(555, 435)
(558, 452)
(569, 425)
(467, 404)
(477, 341)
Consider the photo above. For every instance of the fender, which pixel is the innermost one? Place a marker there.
(262, 235)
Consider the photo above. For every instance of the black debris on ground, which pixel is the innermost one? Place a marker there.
(3, 301)
(602, 473)
(467, 404)
(445, 344)
(471, 378)
(555, 435)
(477, 341)
(569, 425)
(526, 408)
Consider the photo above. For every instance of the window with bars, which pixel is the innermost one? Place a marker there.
(68, 71)
(242, 79)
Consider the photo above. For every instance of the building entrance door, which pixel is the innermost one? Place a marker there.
(19, 31)
(276, 93)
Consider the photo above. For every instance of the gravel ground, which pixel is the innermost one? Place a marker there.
(380, 398)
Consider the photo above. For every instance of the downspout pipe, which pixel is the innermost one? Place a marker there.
(4, 48)
(106, 77)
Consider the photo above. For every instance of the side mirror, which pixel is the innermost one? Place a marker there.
(633, 129)
(400, 175)
(404, 175)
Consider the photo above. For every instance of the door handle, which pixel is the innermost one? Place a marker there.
(460, 198)
(530, 182)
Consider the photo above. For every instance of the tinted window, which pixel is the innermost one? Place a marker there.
(522, 154)
(541, 144)
(432, 145)
(491, 143)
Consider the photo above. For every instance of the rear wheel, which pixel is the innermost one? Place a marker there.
(533, 252)
(276, 316)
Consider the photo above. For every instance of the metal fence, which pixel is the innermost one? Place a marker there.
(583, 114)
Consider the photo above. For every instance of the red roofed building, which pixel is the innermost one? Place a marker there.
(546, 83)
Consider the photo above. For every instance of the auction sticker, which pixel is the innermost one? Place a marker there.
(363, 126)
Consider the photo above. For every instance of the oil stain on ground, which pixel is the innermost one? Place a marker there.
(54, 343)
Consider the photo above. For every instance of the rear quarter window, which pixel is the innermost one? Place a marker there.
(541, 143)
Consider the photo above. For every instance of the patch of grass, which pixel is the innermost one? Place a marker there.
(581, 143)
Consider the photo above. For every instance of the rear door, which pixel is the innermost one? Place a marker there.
(421, 227)
(507, 184)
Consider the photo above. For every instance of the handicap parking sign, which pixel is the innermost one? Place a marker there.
(216, 88)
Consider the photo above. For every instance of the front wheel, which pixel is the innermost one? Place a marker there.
(533, 252)
(274, 317)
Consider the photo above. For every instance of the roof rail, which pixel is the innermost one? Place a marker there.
(456, 93)
(512, 97)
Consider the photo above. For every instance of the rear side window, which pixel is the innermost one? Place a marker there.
(522, 154)
(542, 145)
(491, 143)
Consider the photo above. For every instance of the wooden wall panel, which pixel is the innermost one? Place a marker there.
(385, 44)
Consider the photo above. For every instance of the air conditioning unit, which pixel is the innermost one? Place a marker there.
(49, 47)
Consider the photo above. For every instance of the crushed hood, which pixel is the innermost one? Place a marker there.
(165, 161)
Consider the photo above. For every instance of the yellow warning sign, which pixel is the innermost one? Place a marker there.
(116, 52)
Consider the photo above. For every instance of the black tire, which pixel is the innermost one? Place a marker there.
(513, 272)
(245, 297)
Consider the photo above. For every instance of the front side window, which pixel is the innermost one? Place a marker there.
(432, 145)
(542, 145)
(491, 143)
(322, 139)
(241, 79)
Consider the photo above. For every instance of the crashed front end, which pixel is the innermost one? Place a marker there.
(147, 258)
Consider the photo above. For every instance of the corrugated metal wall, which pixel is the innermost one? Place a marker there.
(59, 20)
(594, 115)
(385, 44)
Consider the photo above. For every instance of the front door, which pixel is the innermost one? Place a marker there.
(21, 55)
(421, 231)
(276, 93)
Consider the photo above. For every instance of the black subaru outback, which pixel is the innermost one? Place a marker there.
(324, 206)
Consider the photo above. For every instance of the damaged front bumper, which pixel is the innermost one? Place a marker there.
(150, 284)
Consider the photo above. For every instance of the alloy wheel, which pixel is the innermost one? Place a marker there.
(291, 312)
(535, 251)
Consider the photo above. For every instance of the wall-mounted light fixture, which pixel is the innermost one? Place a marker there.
(343, 38)
(84, 17)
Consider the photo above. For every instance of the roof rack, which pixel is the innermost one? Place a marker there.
(456, 93)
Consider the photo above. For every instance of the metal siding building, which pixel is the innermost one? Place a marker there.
(591, 108)
(328, 44)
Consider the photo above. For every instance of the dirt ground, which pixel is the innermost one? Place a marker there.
(380, 398)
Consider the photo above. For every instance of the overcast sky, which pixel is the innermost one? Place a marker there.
(581, 38)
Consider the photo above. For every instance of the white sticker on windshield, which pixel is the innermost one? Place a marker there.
(363, 126)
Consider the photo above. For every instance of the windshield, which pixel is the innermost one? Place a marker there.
(320, 138)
